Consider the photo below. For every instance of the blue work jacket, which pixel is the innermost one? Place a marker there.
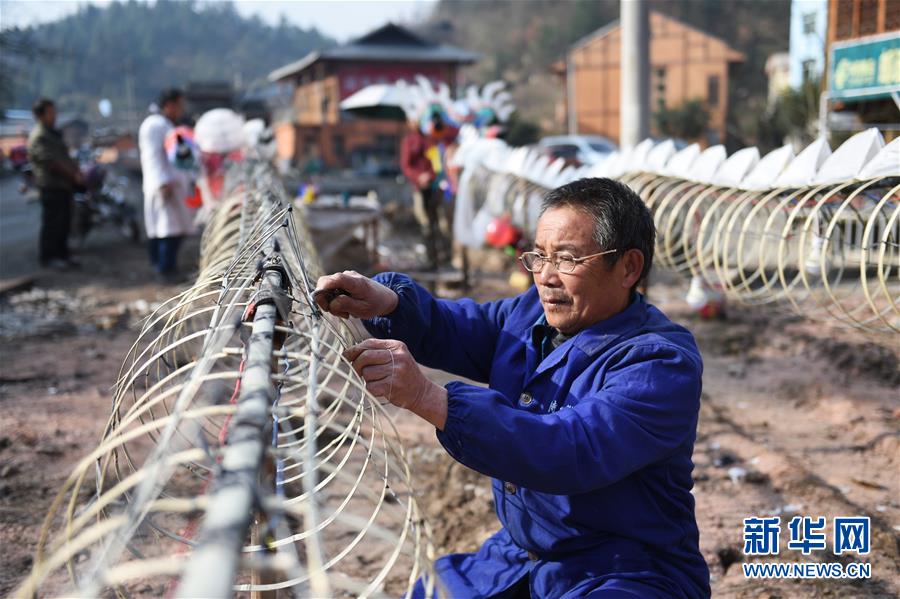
(589, 448)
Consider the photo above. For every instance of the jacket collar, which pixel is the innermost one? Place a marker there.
(42, 128)
(599, 336)
(590, 341)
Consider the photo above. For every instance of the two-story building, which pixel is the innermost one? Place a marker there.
(316, 128)
(685, 64)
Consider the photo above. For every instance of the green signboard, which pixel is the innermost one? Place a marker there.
(865, 69)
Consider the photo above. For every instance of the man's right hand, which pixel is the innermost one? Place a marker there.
(361, 298)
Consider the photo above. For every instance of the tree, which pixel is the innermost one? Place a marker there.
(18, 52)
(797, 110)
(521, 132)
(142, 47)
(793, 117)
(687, 121)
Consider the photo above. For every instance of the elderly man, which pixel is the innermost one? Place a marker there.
(588, 422)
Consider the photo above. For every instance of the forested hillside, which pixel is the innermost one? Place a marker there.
(100, 52)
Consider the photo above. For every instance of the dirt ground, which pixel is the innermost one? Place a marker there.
(797, 418)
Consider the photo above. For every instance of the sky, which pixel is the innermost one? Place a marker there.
(341, 19)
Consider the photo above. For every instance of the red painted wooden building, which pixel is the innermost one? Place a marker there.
(317, 128)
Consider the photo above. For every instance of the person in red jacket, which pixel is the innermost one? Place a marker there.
(421, 152)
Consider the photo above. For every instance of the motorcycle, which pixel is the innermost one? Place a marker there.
(103, 201)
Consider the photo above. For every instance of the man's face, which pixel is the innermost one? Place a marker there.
(592, 292)
(49, 116)
(174, 109)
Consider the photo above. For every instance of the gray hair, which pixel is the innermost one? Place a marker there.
(621, 219)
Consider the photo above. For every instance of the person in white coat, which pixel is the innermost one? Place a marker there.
(167, 217)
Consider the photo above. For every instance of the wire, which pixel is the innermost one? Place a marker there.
(331, 453)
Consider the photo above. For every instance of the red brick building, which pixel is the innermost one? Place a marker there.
(317, 128)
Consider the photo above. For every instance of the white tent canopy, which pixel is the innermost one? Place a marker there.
(371, 96)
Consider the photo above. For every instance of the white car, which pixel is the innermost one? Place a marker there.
(578, 149)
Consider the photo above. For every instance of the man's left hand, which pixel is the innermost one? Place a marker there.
(390, 371)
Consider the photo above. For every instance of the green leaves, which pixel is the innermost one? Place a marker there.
(687, 121)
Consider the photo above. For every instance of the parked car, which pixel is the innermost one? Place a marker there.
(578, 149)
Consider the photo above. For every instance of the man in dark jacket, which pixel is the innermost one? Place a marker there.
(588, 422)
(56, 176)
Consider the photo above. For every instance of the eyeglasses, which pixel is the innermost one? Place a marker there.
(563, 261)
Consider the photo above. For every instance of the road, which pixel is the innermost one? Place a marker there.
(20, 221)
(19, 225)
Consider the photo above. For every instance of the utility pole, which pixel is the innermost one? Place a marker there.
(572, 118)
(132, 119)
(634, 100)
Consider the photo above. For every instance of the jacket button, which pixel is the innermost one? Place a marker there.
(533, 556)
(510, 488)
(526, 399)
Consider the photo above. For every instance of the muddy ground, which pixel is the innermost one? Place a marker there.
(797, 418)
